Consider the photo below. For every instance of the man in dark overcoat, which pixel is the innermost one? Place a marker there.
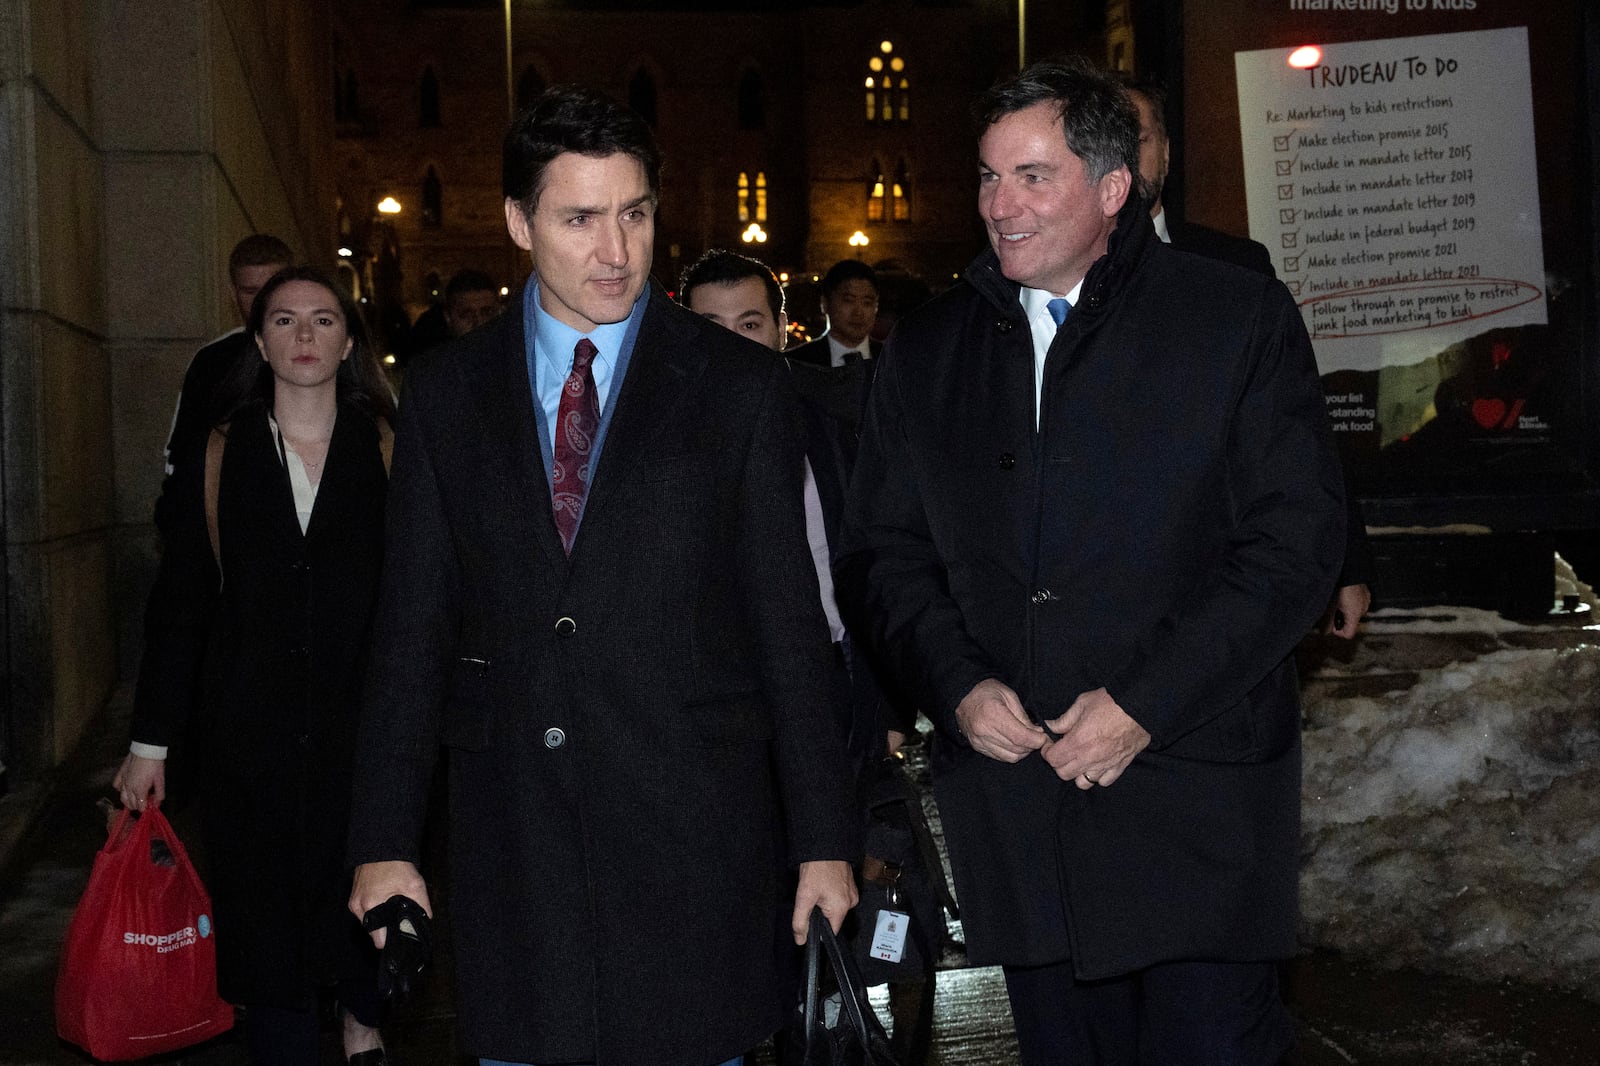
(1096, 506)
(598, 598)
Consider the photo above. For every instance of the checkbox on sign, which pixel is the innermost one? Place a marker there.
(1291, 240)
(1286, 216)
(1285, 167)
(1280, 144)
(1291, 264)
(1286, 192)
(1294, 287)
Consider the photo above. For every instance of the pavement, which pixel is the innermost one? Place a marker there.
(1346, 1012)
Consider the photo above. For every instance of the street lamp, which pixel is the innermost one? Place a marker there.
(754, 234)
(859, 240)
(389, 206)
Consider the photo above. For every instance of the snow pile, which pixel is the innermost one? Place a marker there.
(1452, 822)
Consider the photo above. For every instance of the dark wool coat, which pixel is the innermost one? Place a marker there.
(1170, 532)
(627, 730)
(280, 655)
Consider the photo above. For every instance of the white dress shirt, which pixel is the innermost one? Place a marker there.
(1036, 305)
(837, 351)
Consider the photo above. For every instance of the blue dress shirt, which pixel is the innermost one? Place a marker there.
(550, 345)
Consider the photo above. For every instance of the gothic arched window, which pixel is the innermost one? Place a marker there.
(752, 106)
(888, 89)
(642, 96)
(428, 99)
(900, 193)
(875, 193)
(432, 199)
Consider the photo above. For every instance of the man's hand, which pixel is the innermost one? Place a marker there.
(141, 781)
(1344, 614)
(896, 741)
(994, 723)
(375, 882)
(825, 883)
(1097, 740)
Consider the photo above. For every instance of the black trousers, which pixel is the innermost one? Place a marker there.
(1171, 1014)
(292, 1036)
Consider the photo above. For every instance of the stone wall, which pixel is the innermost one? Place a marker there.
(138, 143)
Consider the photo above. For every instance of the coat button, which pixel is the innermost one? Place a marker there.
(1042, 596)
(1007, 460)
(565, 627)
(554, 738)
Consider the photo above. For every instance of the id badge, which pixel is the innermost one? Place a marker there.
(889, 939)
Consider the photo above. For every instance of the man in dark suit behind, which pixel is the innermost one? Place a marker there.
(835, 369)
(1088, 542)
(1354, 594)
(205, 397)
(598, 598)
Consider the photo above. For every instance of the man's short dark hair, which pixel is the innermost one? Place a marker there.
(469, 280)
(259, 250)
(1152, 89)
(1101, 124)
(572, 118)
(718, 266)
(848, 270)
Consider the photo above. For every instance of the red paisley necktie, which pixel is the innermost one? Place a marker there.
(576, 422)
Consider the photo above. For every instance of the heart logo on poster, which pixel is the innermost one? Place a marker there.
(1488, 412)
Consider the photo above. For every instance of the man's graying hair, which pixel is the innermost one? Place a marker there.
(1101, 124)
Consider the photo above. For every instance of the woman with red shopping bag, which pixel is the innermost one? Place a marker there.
(256, 634)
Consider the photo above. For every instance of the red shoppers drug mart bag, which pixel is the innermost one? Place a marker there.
(139, 967)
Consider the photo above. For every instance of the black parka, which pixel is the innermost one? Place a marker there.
(1170, 532)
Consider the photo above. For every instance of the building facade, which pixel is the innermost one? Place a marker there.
(800, 126)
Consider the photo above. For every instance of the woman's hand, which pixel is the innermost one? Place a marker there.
(141, 781)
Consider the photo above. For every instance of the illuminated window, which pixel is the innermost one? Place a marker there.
(428, 99)
(888, 90)
(432, 199)
(759, 214)
(900, 193)
(875, 193)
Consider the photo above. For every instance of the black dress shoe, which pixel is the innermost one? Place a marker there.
(375, 1057)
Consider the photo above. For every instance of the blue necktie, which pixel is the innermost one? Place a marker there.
(1058, 309)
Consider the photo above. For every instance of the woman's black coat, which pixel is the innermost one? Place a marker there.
(276, 661)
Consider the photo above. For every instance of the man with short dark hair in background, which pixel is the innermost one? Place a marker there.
(598, 598)
(471, 299)
(850, 302)
(202, 400)
(1095, 509)
(835, 370)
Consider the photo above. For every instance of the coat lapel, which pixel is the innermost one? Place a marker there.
(253, 437)
(1006, 390)
(505, 403)
(663, 366)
